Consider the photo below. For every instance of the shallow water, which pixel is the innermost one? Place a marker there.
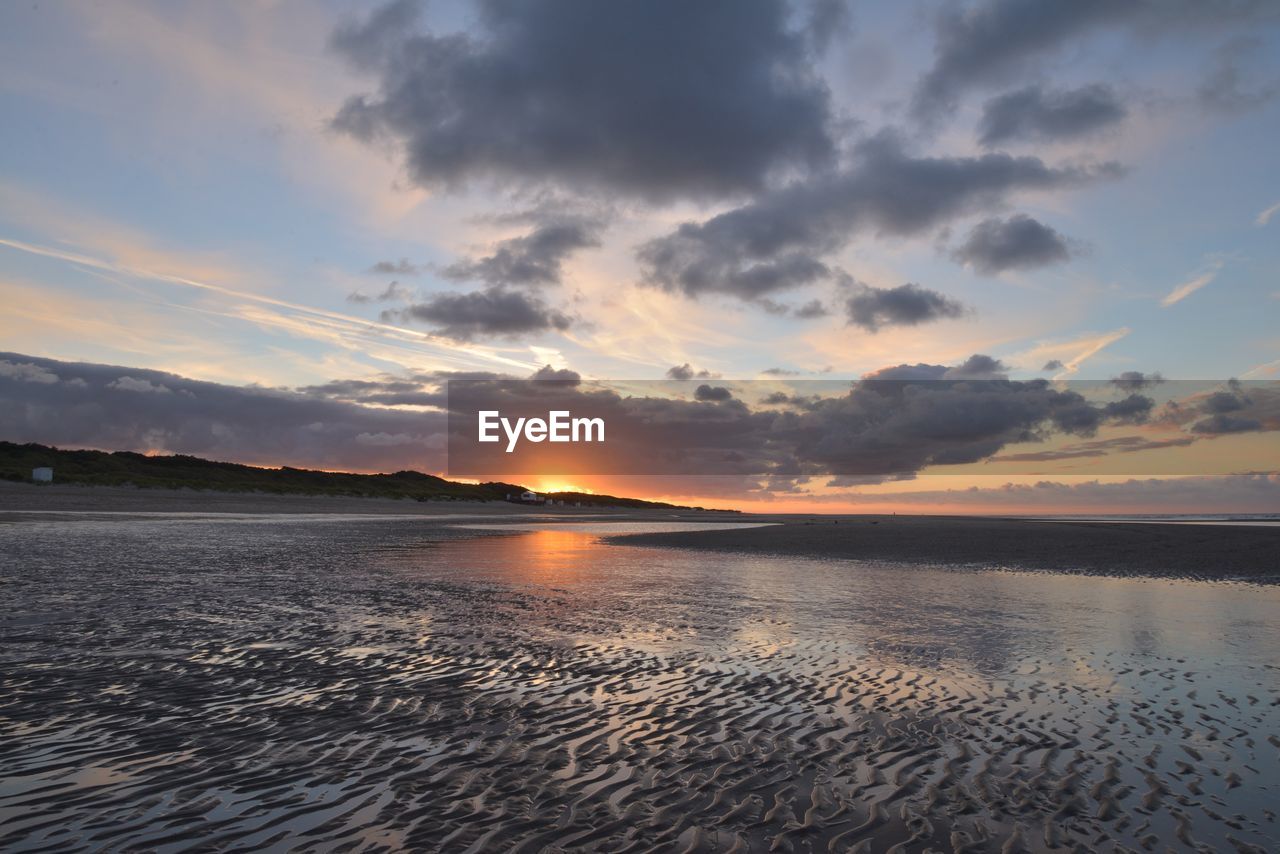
(364, 683)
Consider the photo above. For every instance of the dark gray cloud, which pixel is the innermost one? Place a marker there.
(906, 305)
(403, 267)
(1017, 243)
(987, 43)
(558, 376)
(885, 426)
(1136, 380)
(1220, 424)
(977, 366)
(1036, 114)
(490, 312)
(1224, 401)
(656, 99)
(1236, 408)
(1134, 409)
(77, 404)
(712, 393)
(687, 372)
(1053, 365)
(533, 259)
(892, 428)
(779, 240)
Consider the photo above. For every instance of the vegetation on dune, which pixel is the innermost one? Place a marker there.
(125, 468)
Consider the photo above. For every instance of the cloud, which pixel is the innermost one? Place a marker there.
(1235, 494)
(913, 373)
(686, 372)
(811, 310)
(1237, 408)
(558, 376)
(1190, 286)
(494, 311)
(385, 391)
(1134, 409)
(393, 291)
(826, 20)
(1136, 380)
(27, 372)
(1226, 88)
(533, 259)
(1097, 448)
(1070, 355)
(1017, 243)
(885, 426)
(906, 305)
(1220, 424)
(888, 425)
(656, 99)
(977, 366)
(778, 240)
(891, 428)
(118, 408)
(368, 43)
(1036, 114)
(1264, 217)
(988, 43)
(143, 386)
(395, 268)
(712, 394)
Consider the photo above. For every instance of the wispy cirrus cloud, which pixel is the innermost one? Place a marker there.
(1190, 286)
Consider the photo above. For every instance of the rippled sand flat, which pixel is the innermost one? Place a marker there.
(366, 684)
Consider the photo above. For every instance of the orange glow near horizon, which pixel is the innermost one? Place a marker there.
(550, 486)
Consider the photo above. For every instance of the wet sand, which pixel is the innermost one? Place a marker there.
(1124, 549)
(285, 683)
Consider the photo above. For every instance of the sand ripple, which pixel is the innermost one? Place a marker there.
(367, 688)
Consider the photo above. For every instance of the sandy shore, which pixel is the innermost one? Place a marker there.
(386, 683)
(1128, 549)
(1095, 548)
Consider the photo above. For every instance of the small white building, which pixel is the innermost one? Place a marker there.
(44, 474)
(529, 496)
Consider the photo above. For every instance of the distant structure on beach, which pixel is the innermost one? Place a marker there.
(43, 474)
(531, 497)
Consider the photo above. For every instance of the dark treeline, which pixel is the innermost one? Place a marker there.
(125, 468)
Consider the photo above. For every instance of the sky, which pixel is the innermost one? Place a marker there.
(267, 231)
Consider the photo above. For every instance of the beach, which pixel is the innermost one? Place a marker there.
(297, 680)
(1221, 552)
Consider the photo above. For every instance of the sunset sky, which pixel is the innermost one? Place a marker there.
(329, 206)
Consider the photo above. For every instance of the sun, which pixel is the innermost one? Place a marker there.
(550, 486)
